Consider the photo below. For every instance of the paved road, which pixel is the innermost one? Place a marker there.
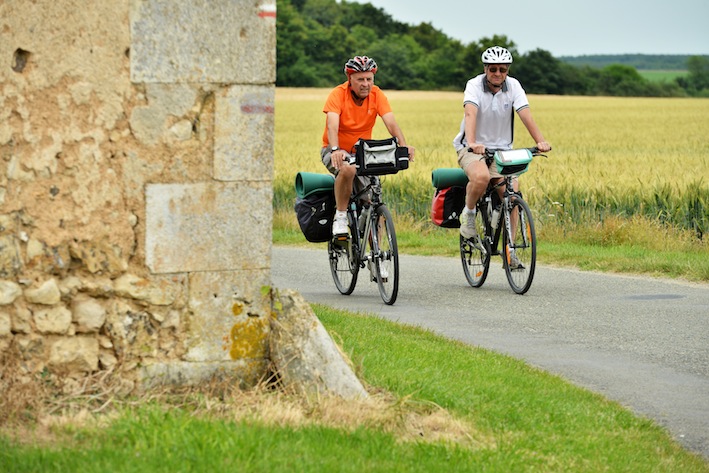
(641, 342)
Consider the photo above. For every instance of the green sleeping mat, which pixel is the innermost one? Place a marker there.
(448, 177)
(307, 183)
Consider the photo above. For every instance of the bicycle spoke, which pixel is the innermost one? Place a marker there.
(475, 255)
(520, 250)
(344, 262)
(386, 256)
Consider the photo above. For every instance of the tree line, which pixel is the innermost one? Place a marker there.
(316, 37)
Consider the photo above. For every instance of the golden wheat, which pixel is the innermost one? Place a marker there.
(622, 156)
(598, 141)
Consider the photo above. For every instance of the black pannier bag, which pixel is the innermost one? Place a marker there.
(315, 205)
(377, 157)
(447, 206)
(315, 215)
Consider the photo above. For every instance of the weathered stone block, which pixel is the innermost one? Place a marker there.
(149, 122)
(244, 373)
(9, 291)
(306, 358)
(10, 259)
(74, 354)
(31, 349)
(99, 257)
(133, 333)
(50, 260)
(243, 141)
(53, 320)
(229, 314)
(208, 227)
(107, 360)
(88, 314)
(47, 293)
(5, 324)
(21, 318)
(222, 41)
(156, 291)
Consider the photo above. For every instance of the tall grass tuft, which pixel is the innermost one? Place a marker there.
(666, 203)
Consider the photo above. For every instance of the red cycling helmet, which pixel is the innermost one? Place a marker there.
(360, 64)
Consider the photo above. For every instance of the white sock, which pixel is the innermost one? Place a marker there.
(340, 214)
(469, 210)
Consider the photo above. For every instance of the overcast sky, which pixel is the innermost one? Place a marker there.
(567, 27)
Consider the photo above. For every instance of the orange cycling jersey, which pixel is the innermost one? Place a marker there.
(355, 121)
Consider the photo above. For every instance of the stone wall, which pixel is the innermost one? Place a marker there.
(136, 157)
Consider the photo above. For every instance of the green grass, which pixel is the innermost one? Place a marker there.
(631, 246)
(491, 412)
(661, 75)
(504, 416)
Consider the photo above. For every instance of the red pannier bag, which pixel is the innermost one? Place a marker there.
(447, 205)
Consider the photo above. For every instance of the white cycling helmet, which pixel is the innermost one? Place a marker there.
(496, 55)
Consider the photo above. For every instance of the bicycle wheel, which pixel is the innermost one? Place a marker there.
(475, 253)
(344, 259)
(386, 255)
(520, 254)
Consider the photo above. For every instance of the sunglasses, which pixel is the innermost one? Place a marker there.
(493, 69)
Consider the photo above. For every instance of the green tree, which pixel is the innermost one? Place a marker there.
(698, 77)
(324, 12)
(396, 56)
(292, 35)
(368, 15)
(618, 79)
(316, 37)
(362, 38)
(443, 68)
(540, 73)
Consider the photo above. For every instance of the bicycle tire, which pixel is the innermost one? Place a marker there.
(524, 243)
(344, 259)
(385, 253)
(475, 253)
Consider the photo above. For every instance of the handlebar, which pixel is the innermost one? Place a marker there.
(490, 152)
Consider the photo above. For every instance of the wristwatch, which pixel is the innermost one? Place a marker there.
(333, 149)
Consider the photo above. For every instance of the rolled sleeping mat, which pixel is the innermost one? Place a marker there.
(448, 177)
(307, 183)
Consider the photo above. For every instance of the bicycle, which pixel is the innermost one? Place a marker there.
(519, 240)
(371, 241)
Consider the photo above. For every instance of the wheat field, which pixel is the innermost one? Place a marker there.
(614, 156)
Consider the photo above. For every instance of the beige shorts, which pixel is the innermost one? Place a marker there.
(360, 182)
(465, 158)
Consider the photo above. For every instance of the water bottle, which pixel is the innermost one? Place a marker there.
(495, 217)
(362, 221)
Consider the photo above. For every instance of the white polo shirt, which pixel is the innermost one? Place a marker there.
(495, 119)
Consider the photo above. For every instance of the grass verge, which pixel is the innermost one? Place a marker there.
(437, 405)
(620, 245)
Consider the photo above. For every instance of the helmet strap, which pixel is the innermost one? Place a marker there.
(493, 87)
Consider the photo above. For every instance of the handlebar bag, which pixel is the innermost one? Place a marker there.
(514, 161)
(376, 157)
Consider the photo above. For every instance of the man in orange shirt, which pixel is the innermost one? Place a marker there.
(351, 110)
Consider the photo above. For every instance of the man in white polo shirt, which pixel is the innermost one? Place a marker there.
(489, 103)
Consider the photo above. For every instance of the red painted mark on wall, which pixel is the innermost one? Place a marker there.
(256, 108)
(267, 11)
